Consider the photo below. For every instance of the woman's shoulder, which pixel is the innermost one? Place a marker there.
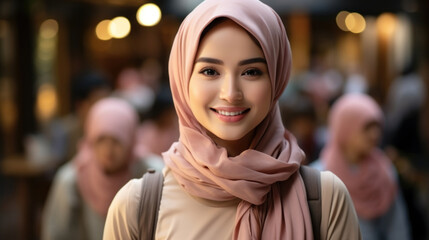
(339, 219)
(331, 183)
(121, 219)
(330, 180)
(128, 195)
(66, 175)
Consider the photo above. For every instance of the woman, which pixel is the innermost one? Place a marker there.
(352, 154)
(84, 187)
(232, 174)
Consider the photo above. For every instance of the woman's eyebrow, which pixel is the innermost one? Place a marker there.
(209, 60)
(252, 60)
(242, 62)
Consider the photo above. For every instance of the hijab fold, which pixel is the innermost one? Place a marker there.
(270, 207)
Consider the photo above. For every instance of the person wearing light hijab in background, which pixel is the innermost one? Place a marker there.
(233, 173)
(83, 188)
(355, 122)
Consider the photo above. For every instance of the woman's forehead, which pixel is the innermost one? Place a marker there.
(229, 35)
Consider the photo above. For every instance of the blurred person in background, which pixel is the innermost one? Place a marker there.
(355, 128)
(313, 91)
(405, 142)
(425, 134)
(83, 188)
(151, 71)
(131, 86)
(299, 116)
(355, 80)
(406, 96)
(161, 124)
(323, 82)
(64, 133)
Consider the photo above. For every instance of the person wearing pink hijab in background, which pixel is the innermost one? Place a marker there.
(355, 122)
(233, 173)
(83, 188)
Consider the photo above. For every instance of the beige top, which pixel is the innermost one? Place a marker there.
(183, 216)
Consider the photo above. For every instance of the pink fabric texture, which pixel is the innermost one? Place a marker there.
(268, 210)
(371, 182)
(112, 117)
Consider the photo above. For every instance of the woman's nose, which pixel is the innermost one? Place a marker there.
(374, 135)
(231, 90)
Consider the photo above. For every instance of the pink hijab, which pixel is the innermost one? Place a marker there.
(269, 209)
(112, 117)
(371, 183)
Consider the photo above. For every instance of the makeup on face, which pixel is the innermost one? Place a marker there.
(230, 88)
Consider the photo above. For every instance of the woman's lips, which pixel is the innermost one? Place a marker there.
(231, 114)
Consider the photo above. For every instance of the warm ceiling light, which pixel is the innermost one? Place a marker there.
(102, 30)
(341, 20)
(49, 28)
(47, 101)
(355, 23)
(149, 14)
(386, 24)
(119, 27)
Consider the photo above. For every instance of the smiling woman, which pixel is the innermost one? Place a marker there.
(233, 173)
(229, 85)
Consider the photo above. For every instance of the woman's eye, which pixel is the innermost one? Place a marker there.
(253, 72)
(209, 72)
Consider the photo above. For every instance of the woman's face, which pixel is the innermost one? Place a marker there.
(230, 89)
(110, 153)
(362, 143)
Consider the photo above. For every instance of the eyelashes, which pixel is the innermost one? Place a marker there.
(252, 72)
(208, 71)
(249, 72)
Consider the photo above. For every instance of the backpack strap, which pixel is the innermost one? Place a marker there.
(151, 193)
(311, 178)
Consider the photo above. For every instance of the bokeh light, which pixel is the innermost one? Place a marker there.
(102, 30)
(341, 20)
(46, 101)
(149, 15)
(119, 27)
(355, 23)
(386, 24)
(49, 28)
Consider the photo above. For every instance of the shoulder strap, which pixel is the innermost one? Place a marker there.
(311, 178)
(149, 204)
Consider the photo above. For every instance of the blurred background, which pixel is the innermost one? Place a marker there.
(375, 46)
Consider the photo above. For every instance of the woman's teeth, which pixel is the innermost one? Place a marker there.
(225, 113)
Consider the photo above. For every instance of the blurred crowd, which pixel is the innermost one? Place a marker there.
(132, 120)
(403, 137)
